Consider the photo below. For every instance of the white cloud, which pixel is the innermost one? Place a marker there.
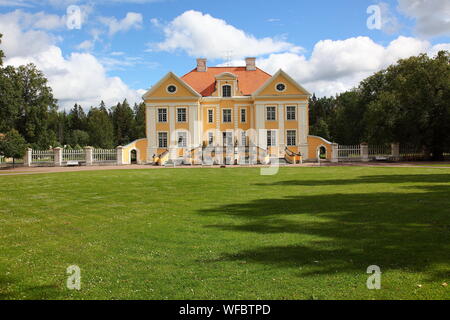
(432, 16)
(131, 21)
(80, 77)
(201, 35)
(86, 45)
(337, 66)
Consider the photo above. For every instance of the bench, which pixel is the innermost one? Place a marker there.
(73, 163)
(381, 159)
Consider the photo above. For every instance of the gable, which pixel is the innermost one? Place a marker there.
(159, 90)
(292, 87)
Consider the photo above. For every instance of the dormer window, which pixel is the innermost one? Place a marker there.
(226, 91)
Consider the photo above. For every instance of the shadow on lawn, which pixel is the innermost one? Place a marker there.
(349, 232)
(42, 292)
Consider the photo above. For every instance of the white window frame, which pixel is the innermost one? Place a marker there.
(295, 113)
(167, 115)
(231, 115)
(184, 142)
(229, 136)
(274, 113)
(159, 139)
(243, 112)
(211, 138)
(272, 135)
(187, 117)
(208, 114)
(231, 91)
(287, 138)
(243, 139)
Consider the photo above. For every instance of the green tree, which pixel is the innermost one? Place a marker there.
(35, 104)
(139, 118)
(100, 128)
(78, 138)
(2, 55)
(411, 103)
(10, 99)
(124, 124)
(13, 145)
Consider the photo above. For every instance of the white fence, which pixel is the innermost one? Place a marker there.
(349, 153)
(103, 155)
(73, 155)
(42, 157)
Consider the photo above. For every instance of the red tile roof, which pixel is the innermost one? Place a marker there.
(205, 82)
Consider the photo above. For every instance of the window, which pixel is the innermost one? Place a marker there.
(281, 87)
(182, 115)
(162, 137)
(172, 89)
(291, 138)
(162, 115)
(182, 139)
(271, 113)
(243, 115)
(290, 113)
(244, 139)
(228, 139)
(210, 116)
(210, 138)
(271, 138)
(226, 91)
(227, 117)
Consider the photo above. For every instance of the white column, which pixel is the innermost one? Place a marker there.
(58, 153)
(334, 153)
(119, 155)
(303, 130)
(281, 137)
(260, 125)
(89, 155)
(219, 136)
(28, 159)
(173, 145)
(151, 133)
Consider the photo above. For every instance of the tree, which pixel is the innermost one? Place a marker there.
(13, 145)
(2, 55)
(78, 138)
(35, 103)
(139, 118)
(100, 128)
(123, 122)
(411, 103)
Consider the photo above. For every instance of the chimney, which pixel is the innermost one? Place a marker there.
(201, 65)
(250, 64)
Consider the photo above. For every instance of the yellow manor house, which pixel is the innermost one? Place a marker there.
(226, 115)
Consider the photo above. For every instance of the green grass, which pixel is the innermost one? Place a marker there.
(306, 233)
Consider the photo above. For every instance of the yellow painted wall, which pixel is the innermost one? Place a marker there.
(161, 92)
(314, 143)
(291, 89)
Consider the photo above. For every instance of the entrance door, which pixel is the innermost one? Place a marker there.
(228, 139)
(133, 157)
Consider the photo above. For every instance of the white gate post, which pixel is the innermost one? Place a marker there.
(89, 155)
(58, 152)
(119, 155)
(28, 157)
(335, 153)
(365, 152)
(395, 151)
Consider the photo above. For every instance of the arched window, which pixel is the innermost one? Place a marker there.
(226, 91)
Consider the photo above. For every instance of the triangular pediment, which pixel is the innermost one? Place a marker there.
(273, 85)
(161, 89)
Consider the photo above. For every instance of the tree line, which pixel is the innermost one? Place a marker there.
(408, 103)
(28, 108)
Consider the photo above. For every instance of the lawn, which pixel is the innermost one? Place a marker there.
(306, 233)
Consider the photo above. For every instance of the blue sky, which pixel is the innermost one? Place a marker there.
(125, 46)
